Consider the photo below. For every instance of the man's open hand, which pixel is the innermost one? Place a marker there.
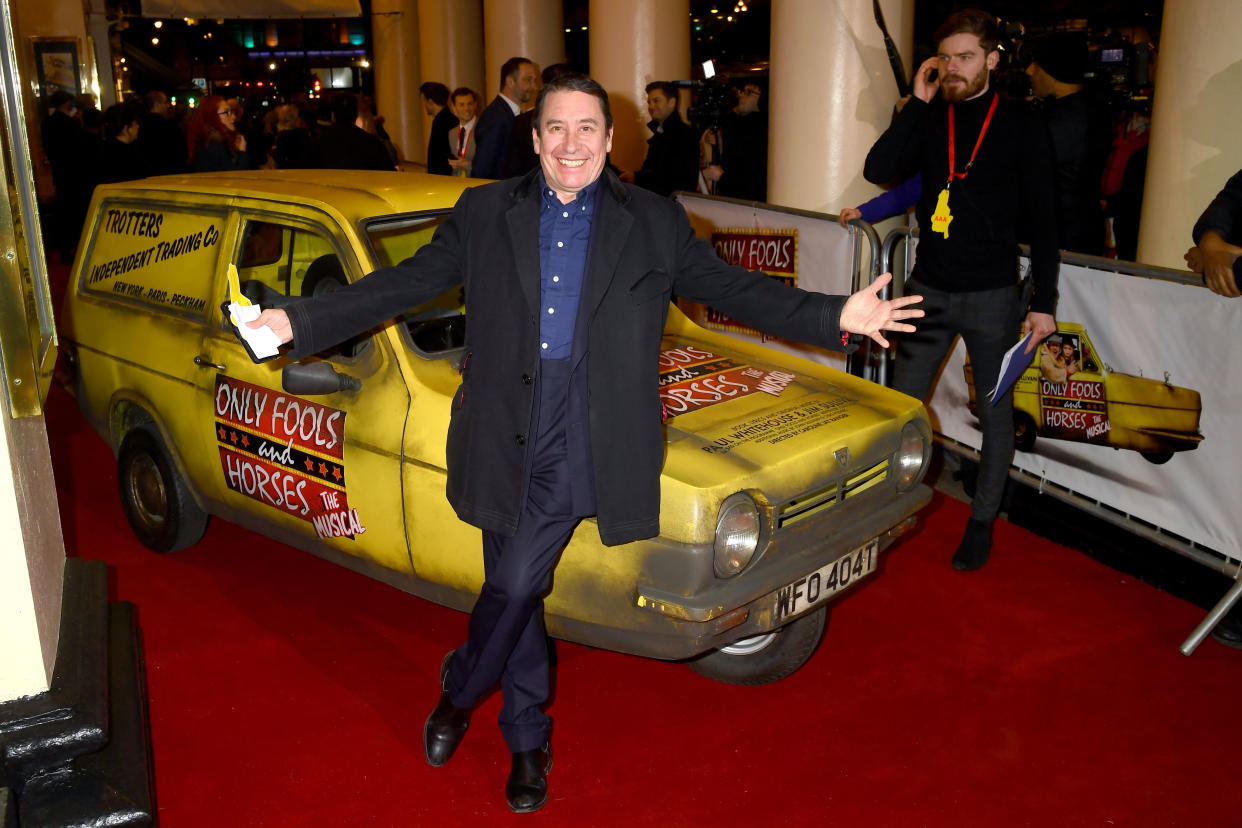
(866, 313)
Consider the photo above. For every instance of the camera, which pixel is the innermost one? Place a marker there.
(713, 101)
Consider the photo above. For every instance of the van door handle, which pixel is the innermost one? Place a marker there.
(203, 362)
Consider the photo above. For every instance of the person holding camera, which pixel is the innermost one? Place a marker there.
(739, 166)
(986, 167)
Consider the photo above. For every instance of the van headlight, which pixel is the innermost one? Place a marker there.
(913, 454)
(737, 534)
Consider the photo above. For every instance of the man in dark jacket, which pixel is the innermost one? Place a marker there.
(435, 103)
(1080, 134)
(672, 161)
(345, 145)
(518, 83)
(568, 275)
(70, 154)
(121, 158)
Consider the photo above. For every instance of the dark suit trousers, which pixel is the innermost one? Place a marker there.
(987, 321)
(507, 642)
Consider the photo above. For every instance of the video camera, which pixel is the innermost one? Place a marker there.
(713, 99)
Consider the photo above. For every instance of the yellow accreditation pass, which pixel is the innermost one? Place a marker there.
(941, 218)
(235, 294)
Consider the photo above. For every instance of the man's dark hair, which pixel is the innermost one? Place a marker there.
(435, 92)
(551, 73)
(462, 91)
(971, 21)
(512, 67)
(573, 83)
(59, 98)
(345, 109)
(667, 88)
(117, 117)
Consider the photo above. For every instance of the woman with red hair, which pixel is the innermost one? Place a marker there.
(213, 142)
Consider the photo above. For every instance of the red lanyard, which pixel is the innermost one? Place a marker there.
(986, 122)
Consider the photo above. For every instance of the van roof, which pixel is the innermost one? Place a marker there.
(355, 194)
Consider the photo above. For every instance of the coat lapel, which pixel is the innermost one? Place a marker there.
(523, 223)
(609, 240)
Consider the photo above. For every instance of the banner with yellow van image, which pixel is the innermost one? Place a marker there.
(1068, 392)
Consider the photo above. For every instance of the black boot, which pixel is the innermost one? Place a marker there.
(446, 725)
(527, 788)
(975, 547)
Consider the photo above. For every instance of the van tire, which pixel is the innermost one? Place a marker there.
(1157, 457)
(789, 648)
(1023, 431)
(158, 504)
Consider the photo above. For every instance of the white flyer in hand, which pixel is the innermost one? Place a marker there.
(262, 341)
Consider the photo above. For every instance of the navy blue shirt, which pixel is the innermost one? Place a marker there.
(564, 237)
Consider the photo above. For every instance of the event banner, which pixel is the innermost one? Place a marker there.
(810, 252)
(1135, 402)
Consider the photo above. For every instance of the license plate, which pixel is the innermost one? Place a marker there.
(823, 583)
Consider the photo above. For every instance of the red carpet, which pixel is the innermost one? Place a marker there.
(1043, 690)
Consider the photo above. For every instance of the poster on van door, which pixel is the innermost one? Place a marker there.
(805, 251)
(1134, 402)
(286, 453)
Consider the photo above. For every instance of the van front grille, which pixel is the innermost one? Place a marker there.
(813, 502)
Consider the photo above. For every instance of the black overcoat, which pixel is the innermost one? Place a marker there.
(643, 250)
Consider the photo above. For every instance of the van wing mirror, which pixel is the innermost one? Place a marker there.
(315, 379)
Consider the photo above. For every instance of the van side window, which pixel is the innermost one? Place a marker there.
(286, 261)
(157, 256)
(279, 264)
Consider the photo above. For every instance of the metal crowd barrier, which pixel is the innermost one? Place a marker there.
(1213, 559)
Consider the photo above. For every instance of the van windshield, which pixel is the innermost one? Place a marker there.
(438, 328)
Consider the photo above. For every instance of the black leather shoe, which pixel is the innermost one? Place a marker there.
(446, 725)
(975, 547)
(527, 788)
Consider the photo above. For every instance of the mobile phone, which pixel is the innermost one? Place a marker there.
(933, 75)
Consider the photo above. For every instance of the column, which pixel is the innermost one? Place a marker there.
(832, 94)
(394, 33)
(531, 29)
(1195, 126)
(450, 40)
(633, 44)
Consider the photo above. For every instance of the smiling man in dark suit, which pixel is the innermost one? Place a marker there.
(568, 275)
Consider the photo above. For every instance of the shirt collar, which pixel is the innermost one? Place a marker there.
(584, 200)
(513, 105)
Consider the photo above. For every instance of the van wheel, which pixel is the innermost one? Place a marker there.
(1023, 431)
(157, 502)
(1157, 457)
(763, 659)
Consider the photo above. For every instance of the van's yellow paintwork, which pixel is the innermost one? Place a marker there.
(742, 419)
(1096, 404)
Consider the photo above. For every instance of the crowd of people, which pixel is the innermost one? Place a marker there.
(727, 158)
(135, 139)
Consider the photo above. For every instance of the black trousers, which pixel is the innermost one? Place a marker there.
(507, 642)
(988, 323)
